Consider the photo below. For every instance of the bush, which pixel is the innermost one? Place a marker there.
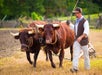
(35, 16)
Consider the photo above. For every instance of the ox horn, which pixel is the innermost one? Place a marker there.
(40, 26)
(14, 34)
(31, 32)
(56, 25)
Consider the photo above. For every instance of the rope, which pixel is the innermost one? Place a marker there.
(55, 40)
(73, 9)
(30, 41)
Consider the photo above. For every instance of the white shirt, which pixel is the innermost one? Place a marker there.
(71, 26)
(86, 26)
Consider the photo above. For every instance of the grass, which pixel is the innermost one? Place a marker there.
(14, 66)
(93, 19)
(92, 16)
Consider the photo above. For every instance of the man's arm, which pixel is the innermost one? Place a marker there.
(86, 31)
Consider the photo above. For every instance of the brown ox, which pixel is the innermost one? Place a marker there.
(31, 40)
(58, 37)
(35, 25)
(29, 43)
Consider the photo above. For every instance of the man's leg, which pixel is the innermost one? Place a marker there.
(86, 57)
(76, 53)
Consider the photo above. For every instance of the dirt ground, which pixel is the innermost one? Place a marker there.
(14, 62)
(8, 45)
(96, 40)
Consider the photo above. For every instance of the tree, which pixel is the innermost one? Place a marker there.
(1, 7)
(99, 3)
(88, 6)
(49, 8)
(55, 7)
(16, 8)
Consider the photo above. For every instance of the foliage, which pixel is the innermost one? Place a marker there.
(35, 16)
(48, 8)
(88, 7)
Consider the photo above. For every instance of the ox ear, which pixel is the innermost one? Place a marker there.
(56, 26)
(16, 35)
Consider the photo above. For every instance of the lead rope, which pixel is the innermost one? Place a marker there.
(30, 41)
(73, 9)
(55, 40)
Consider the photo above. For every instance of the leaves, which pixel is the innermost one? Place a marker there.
(48, 8)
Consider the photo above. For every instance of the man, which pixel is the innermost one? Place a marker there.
(81, 29)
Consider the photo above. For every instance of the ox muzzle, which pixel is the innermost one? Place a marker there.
(24, 47)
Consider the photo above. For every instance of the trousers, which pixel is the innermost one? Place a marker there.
(76, 55)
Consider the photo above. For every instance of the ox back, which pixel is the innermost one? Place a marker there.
(65, 35)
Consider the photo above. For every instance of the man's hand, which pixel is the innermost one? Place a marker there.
(79, 39)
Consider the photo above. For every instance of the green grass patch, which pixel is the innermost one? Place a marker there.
(96, 30)
(96, 64)
(92, 17)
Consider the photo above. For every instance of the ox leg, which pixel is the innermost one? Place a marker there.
(51, 59)
(35, 57)
(28, 57)
(46, 55)
(61, 56)
(45, 50)
(71, 52)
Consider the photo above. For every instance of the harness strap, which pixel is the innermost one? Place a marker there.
(30, 41)
(40, 40)
(55, 39)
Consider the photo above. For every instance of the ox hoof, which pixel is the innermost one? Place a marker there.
(71, 59)
(54, 66)
(46, 59)
(34, 66)
(31, 63)
(60, 66)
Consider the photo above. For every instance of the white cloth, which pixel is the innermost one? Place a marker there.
(86, 26)
(77, 48)
(71, 26)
